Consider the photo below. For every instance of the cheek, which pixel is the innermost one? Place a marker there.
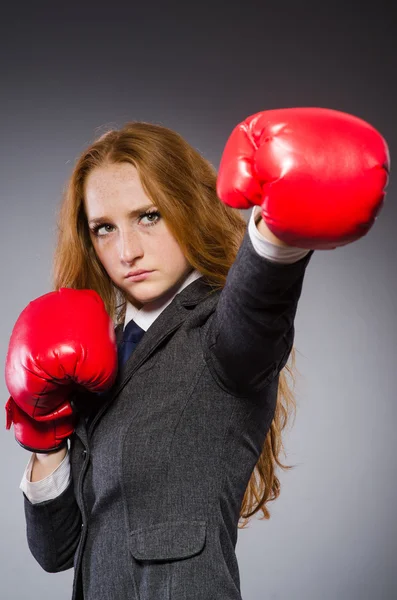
(104, 253)
(171, 254)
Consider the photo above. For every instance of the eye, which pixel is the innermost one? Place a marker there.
(97, 229)
(152, 216)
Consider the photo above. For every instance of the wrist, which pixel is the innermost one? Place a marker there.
(265, 231)
(51, 457)
(44, 464)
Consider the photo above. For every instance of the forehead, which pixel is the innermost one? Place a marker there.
(112, 182)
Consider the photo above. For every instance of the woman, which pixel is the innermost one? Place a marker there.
(169, 451)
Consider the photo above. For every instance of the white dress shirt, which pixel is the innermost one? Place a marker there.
(56, 482)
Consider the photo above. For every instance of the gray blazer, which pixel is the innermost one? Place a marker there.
(159, 474)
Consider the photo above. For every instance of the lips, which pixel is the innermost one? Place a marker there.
(137, 272)
(138, 275)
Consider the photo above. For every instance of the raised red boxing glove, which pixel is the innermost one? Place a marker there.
(318, 174)
(62, 342)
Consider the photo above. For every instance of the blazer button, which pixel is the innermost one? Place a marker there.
(84, 453)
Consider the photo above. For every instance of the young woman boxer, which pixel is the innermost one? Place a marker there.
(152, 440)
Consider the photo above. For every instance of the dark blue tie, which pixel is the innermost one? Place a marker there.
(132, 334)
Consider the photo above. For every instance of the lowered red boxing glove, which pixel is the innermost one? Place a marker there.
(47, 433)
(62, 342)
(318, 174)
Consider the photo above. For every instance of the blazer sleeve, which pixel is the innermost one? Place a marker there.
(53, 530)
(251, 333)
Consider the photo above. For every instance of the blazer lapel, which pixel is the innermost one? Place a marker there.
(166, 323)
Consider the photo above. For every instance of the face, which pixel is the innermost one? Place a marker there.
(129, 235)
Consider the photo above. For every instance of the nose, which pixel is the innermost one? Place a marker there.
(130, 246)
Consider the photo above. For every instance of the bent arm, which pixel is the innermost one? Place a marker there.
(53, 530)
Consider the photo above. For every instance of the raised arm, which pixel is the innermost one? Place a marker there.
(319, 177)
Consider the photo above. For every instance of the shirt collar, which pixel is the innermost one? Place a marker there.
(149, 312)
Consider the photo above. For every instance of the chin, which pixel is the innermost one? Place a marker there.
(143, 298)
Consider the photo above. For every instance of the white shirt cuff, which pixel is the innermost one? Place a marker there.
(48, 488)
(266, 248)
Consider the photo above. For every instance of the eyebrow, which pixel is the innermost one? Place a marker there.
(133, 213)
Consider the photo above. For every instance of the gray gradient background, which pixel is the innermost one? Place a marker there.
(201, 69)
